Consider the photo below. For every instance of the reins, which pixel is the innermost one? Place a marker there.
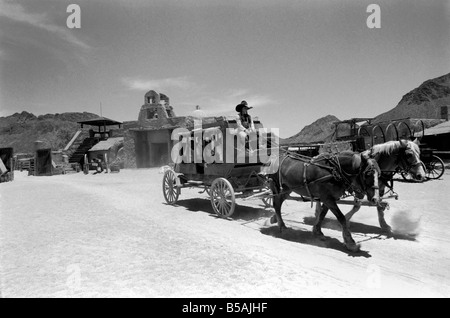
(405, 165)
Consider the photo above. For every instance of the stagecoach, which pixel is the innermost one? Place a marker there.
(211, 157)
(241, 177)
(329, 178)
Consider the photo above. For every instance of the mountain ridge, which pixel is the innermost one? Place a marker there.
(21, 130)
(422, 102)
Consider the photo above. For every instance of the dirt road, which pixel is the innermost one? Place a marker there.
(112, 235)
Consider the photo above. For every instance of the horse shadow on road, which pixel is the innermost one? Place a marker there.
(356, 227)
(251, 214)
(306, 237)
(334, 224)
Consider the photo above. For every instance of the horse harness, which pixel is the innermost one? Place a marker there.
(334, 168)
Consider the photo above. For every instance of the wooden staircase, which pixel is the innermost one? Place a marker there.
(79, 146)
(78, 155)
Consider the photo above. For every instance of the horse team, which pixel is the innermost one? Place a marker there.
(326, 178)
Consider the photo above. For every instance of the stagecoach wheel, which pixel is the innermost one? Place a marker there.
(435, 168)
(223, 199)
(170, 189)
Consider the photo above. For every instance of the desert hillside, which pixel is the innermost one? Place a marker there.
(320, 130)
(21, 130)
(424, 101)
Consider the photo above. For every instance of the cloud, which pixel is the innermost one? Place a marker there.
(158, 84)
(223, 102)
(2, 55)
(187, 93)
(17, 12)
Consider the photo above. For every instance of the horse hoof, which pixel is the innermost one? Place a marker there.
(388, 231)
(353, 247)
(282, 226)
(318, 233)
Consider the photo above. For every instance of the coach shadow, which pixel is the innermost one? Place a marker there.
(242, 212)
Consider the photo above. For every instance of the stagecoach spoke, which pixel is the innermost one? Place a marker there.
(217, 205)
(227, 205)
(223, 209)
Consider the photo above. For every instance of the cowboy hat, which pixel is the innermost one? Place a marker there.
(242, 105)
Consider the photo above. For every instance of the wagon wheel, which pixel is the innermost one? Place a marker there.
(170, 190)
(223, 199)
(435, 168)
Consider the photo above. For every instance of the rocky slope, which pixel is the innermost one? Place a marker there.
(21, 130)
(424, 101)
(320, 130)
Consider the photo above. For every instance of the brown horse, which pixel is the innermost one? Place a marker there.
(391, 157)
(325, 178)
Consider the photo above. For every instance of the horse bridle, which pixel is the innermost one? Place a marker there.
(404, 163)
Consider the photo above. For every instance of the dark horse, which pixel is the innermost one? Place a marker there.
(324, 178)
(391, 157)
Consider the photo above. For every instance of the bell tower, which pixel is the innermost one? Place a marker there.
(156, 110)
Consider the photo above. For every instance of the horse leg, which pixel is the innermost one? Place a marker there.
(380, 209)
(355, 209)
(384, 226)
(318, 209)
(348, 239)
(321, 212)
(277, 200)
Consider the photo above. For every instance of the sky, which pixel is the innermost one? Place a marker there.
(294, 61)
